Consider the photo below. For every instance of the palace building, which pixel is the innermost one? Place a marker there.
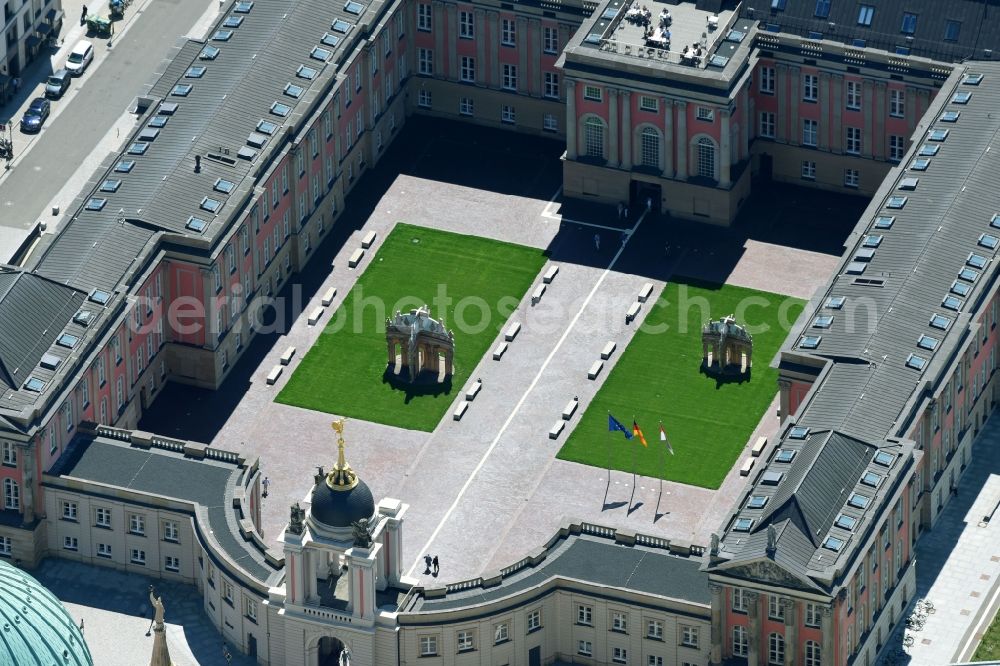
(884, 385)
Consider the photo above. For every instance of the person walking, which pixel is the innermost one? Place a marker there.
(437, 568)
(83, 15)
(626, 214)
(266, 483)
(597, 242)
(621, 210)
(427, 562)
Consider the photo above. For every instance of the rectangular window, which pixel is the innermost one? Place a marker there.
(654, 630)
(897, 103)
(534, 620)
(172, 563)
(951, 30)
(551, 83)
(775, 610)
(865, 13)
(808, 170)
(424, 16)
(170, 532)
(812, 618)
(854, 140)
(810, 87)
(647, 103)
(468, 69)
(507, 114)
(425, 62)
(501, 633)
(852, 177)
(428, 646)
(822, 8)
(101, 371)
(508, 32)
(689, 636)
(585, 648)
(104, 550)
(136, 524)
(740, 602)
(9, 454)
(424, 99)
(767, 80)
(897, 147)
(854, 95)
(227, 591)
(251, 609)
(465, 106)
(741, 643)
(592, 93)
(619, 655)
(103, 517)
(767, 124)
(71, 543)
(550, 40)
(550, 123)
(509, 76)
(69, 511)
(465, 641)
(466, 25)
(619, 621)
(810, 132)
(909, 25)
(138, 556)
(11, 494)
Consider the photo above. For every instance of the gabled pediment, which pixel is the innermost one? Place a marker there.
(765, 570)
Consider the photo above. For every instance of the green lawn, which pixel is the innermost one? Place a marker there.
(343, 372)
(658, 377)
(989, 648)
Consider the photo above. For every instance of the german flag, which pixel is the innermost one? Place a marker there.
(637, 432)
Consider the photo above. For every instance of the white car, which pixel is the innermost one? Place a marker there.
(80, 57)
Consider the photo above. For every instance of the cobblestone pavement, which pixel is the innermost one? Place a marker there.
(487, 490)
(958, 561)
(114, 607)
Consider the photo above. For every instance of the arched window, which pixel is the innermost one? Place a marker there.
(11, 494)
(813, 654)
(706, 157)
(740, 641)
(593, 136)
(776, 649)
(649, 148)
(104, 411)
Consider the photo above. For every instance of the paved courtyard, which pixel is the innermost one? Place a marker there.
(487, 490)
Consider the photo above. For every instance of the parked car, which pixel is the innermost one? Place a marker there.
(35, 115)
(80, 57)
(57, 84)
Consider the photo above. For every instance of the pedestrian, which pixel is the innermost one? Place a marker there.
(266, 483)
(427, 562)
(436, 567)
(626, 214)
(597, 242)
(83, 16)
(81, 625)
(621, 210)
(16, 83)
(649, 203)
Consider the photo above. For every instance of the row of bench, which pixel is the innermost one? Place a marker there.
(633, 310)
(470, 395)
(547, 279)
(567, 414)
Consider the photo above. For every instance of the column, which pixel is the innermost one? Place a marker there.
(522, 54)
(724, 150)
(879, 139)
(718, 630)
(910, 108)
(826, 626)
(452, 32)
(682, 140)
(571, 138)
(626, 97)
(867, 106)
(613, 131)
(28, 465)
(747, 125)
(439, 23)
(794, 100)
(753, 628)
(535, 82)
(837, 146)
(479, 19)
(824, 111)
(668, 138)
(791, 631)
(493, 21)
(780, 92)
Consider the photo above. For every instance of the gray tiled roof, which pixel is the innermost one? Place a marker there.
(204, 483)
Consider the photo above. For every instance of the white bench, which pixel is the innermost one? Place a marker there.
(758, 447)
(633, 311)
(356, 258)
(608, 350)
(499, 351)
(329, 296)
(747, 466)
(645, 292)
(536, 295)
(570, 409)
(286, 358)
(369, 239)
(461, 409)
(512, 331)
(595, 370)
(557, 429)
(474, 390)
(550, 274)
(314, 316)
(274, 374)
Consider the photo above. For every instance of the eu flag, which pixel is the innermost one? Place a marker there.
(615, 424)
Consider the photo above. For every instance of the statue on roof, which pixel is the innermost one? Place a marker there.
(726, 347)
(361, 530)
(419, 344)
(296, 519)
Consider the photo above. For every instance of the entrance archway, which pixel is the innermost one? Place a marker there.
(329, 651)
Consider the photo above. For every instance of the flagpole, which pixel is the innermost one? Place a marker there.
(663, 461)
(633, 467)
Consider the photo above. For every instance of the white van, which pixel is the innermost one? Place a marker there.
(80, 57)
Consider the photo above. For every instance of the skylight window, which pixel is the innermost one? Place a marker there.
(833, 543)
(995, 221)
(757, 501)
(233, 22)
(196, 224)
(293, 90)
(960, 288)
(864, 254)
(871, 240)
(246, 153)
(856, 267)
(927, 342)
(329, 40)
(222, 35)
(304, 72)
(182, 90)
(50, 361)
(941, 322)
(320, 54)
(810, 341)
(168, 108)
(846, 522)
(719, 60)
(937, 134)
(195, 72)
(896, 202)
(34, 384)
(859, 501)
(96, 203)
(968, 274)
(950, 116)
(158, 121)
(138, 148)
(884, 221)
(149, 133)
(961, 97)
(928, 150)
(952, 303)
(798, 432)
(916, 362)
(256, 139)
(990, 241)
(210, 204)
(822, 321)
(871, 479)
(224, 186)
(353, 7)
(885, 459)
(280, 109)
(784, 455)
(67, 340)
(972, 79)
(976, 261)
(83, 317)
(743, 525)
(835, 302)
(243, 7)
(209, 53)
(920, 164)
(341, 26)
(267, 127)
(100, 297)
(771, 478)
(908, 183)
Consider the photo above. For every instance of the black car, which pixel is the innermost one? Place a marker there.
(57, 84)
(35, 115)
